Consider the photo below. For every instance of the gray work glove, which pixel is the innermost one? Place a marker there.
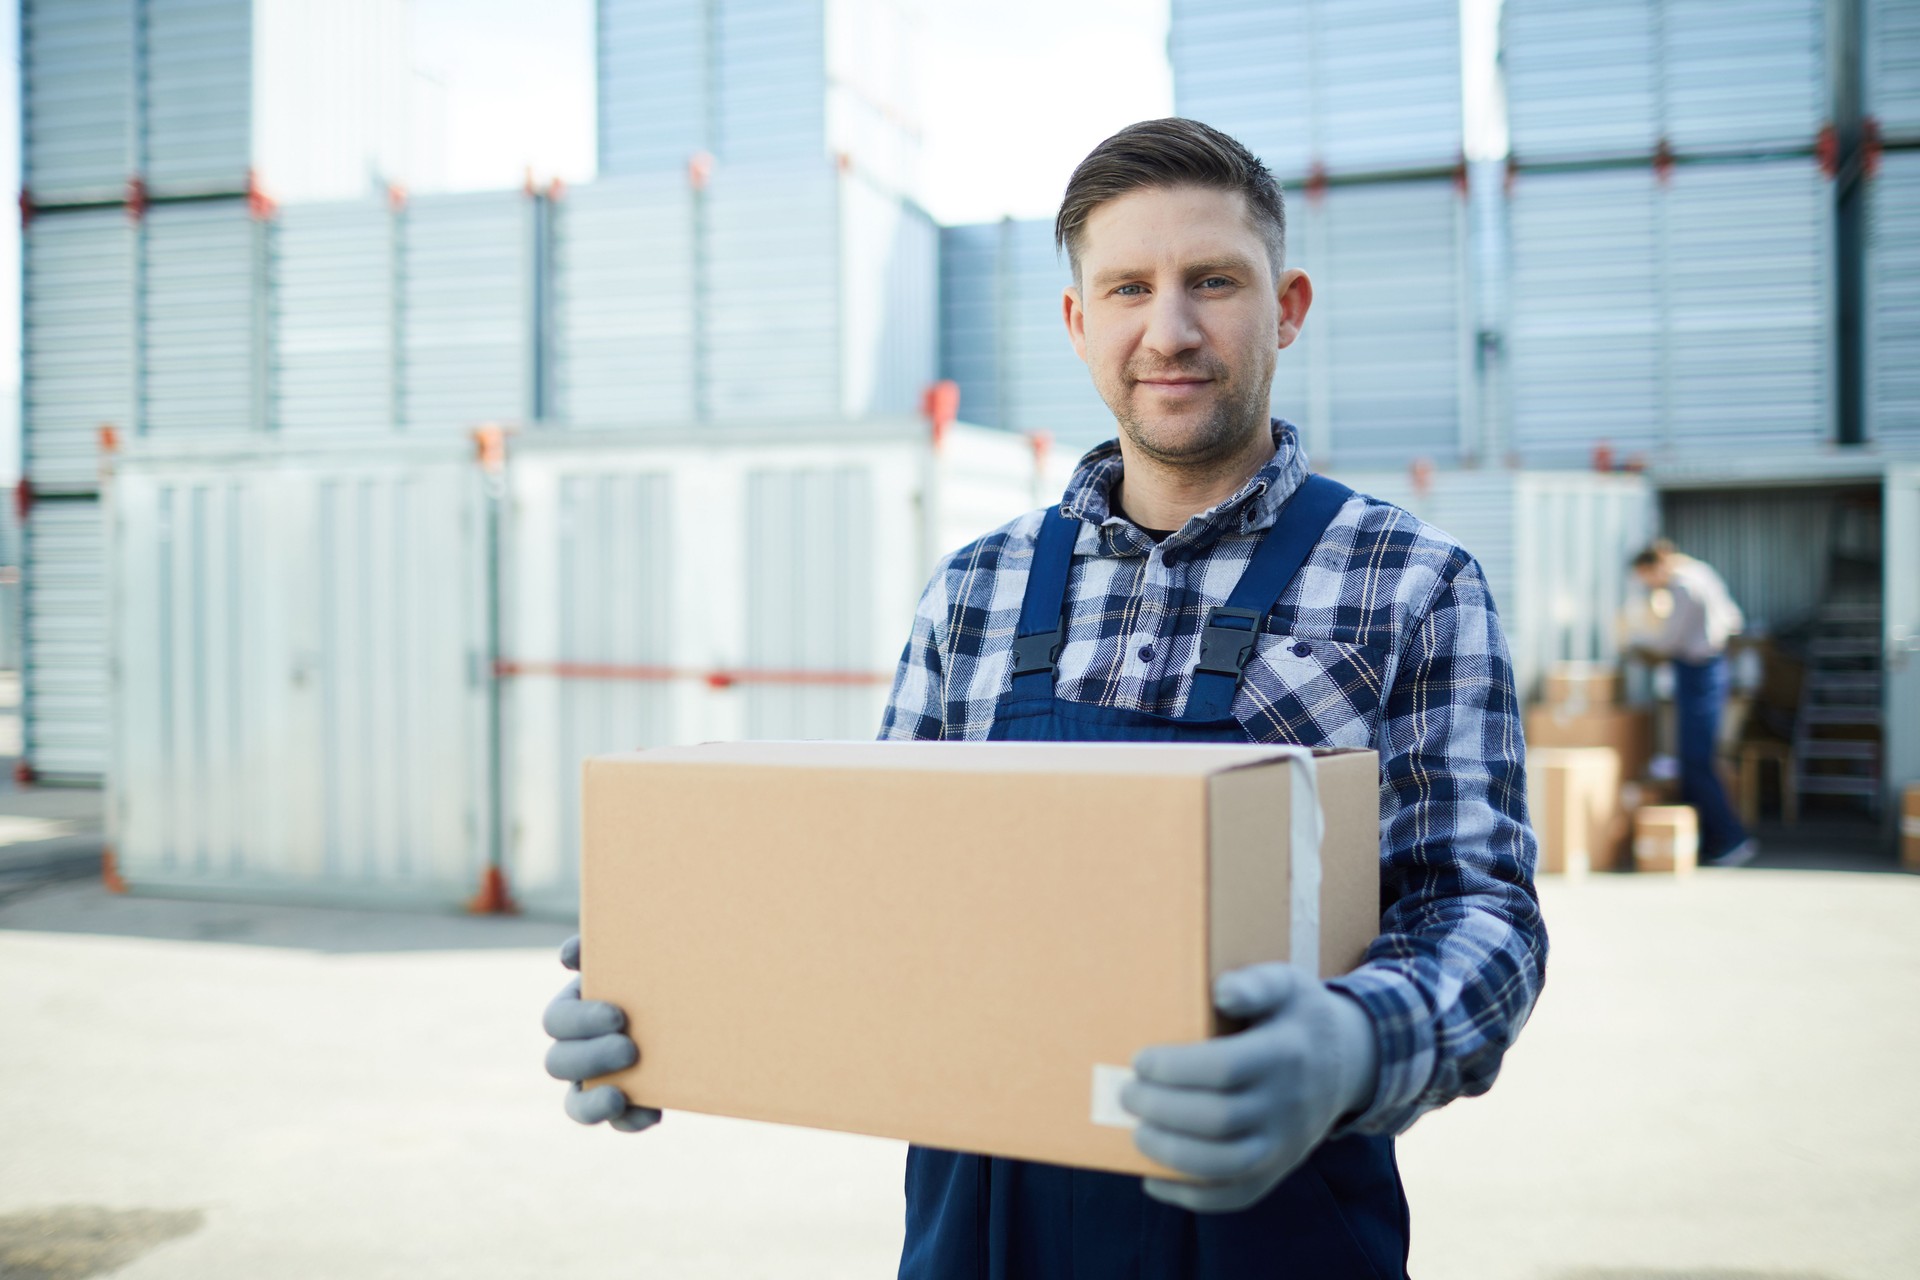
(590, 1040)
(1242, 1111)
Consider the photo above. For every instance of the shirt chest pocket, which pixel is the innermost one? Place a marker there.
(1313, 691)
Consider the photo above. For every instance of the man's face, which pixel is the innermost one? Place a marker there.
(1180, 318)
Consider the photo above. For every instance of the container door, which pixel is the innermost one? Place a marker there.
(1902, 614)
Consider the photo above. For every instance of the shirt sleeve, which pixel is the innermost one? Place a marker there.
(916, 705)
(1462, 950)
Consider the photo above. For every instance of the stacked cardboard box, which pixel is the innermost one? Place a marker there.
(1583, 822)
(1666, 837)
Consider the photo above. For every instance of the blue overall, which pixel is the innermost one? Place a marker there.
(1342, 1213)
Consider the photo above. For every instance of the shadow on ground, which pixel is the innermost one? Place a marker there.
(72, 1242)
(87, 908)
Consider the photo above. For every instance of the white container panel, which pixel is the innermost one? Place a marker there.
(467, 310)
(77, 342)
(772, 314)
(332, 89)
(77, 107)
(1890, 67)
(810, 605)
(65, 629)
(653, 62)
(336, 311)
(1901, 617)
(203, 319)
(1891, 314)
(1389, 84)
(874, 68)
(1585, 340)
(296, 643)
(1750, 308)
(889, 302)
(623, 303)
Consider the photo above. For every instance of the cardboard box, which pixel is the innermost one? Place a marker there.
(1573, 797)
(1910, 827)
(958, 944)
(1575, 687)
(1629, 732)
(1666, 837)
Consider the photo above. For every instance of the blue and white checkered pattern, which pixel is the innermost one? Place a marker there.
(1387, 639)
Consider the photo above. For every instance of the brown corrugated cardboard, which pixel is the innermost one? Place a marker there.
(1627, 731)
(1574, 687)
(1574, 799)
(942, 942)
(1666, 837)
(1910, 828)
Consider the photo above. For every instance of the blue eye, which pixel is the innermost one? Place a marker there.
(1216, 282)
(1123, 290)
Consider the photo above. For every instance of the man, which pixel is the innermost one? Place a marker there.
(1694, 618)
(1196, 584)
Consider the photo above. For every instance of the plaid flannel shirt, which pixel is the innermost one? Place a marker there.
(1386, 639)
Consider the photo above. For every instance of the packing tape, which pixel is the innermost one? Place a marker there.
(1308, 831)
(1910, 827)
(1107, 1083)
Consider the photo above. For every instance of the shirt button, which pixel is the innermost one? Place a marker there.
(1302, 650)
(1146, 653)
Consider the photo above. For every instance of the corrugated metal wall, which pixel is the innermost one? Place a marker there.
(1891, 321)
(77, 67)
(1677, 317)
(78, 269)
(623, 337)
(1597, 79)
(336, 274)
(1340, 85)
(203, 319)
(1772, 546)
(889, 301)
(771, 94)
(1890, 67)
(196, 89)
(970, 331)
(296, 704)
(65, 606)
(772, 313)
(468, 307)
(1382, 372)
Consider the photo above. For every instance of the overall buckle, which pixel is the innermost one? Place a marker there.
(1037, 653)
(1227, 643)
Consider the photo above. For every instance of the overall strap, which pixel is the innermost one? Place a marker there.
(1042, 632)
(1226, 643)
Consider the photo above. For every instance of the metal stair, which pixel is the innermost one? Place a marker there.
(1838, 740)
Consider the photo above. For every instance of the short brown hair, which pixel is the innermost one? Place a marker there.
(1173, 152)
(1656, 551)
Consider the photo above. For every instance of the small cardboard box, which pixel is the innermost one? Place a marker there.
(1629, 732)
(958, 944)
(1666, 837)
(1910, 827)
(1574, 800)
(1574, 687)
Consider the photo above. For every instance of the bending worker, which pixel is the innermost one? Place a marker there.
(1697, 618)
(1198, 583)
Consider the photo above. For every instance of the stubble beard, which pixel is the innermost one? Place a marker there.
(1239, 414)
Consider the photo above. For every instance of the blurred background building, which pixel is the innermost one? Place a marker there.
(354, 515)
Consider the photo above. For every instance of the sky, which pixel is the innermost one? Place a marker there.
(1013, 93)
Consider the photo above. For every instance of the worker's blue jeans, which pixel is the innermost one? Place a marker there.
(1699, 697)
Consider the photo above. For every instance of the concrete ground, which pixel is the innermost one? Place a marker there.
(1717, 1084)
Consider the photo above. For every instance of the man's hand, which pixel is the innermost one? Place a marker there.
(1241, 1112)
(590, 1040)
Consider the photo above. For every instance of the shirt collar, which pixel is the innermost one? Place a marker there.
(1089, 498)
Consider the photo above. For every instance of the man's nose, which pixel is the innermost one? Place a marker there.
(1172, 325)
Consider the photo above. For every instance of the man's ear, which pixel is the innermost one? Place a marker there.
(1076, 317)
(1294, 292)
